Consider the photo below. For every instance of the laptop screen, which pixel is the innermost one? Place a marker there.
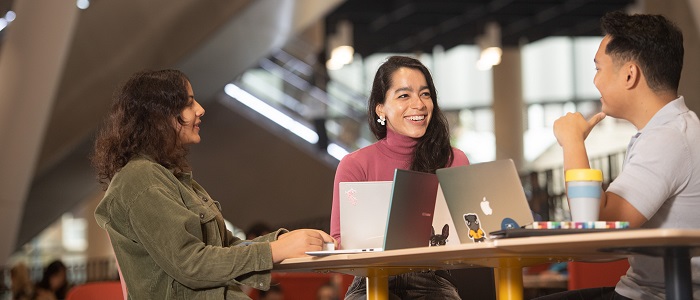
(388, 214)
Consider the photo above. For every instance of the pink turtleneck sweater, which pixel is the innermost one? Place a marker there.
(377, 162)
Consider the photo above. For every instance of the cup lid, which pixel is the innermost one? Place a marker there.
(584, 175)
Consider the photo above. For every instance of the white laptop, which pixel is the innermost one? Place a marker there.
(386, 215)
(484, 198)
(364, 210)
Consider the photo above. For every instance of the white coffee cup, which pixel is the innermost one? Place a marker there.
(583, 189)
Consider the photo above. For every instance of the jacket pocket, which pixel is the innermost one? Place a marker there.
(207, 221)
(205, 209)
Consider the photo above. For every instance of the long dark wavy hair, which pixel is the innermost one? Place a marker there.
(433, 150)
(140, 122)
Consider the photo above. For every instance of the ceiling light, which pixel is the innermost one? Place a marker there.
(10, 16)
(271, 113)
(333, 65)
(340, 44)
(336, 151)
(490, 45)
(83, 4)
(343, 54)
(490, 57)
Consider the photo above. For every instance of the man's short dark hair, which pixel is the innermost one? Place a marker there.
(652, 41)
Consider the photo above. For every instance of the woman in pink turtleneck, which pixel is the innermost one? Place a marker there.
(377, 162)
(412, 134)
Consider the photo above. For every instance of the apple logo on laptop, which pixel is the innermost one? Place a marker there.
(486, 207)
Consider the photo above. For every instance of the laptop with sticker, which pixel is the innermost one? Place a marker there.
(484, 198)
(386, 215)
(364, 208)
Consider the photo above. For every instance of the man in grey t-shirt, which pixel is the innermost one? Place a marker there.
(638, 68)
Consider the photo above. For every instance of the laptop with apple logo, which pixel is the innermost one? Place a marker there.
(484, 198)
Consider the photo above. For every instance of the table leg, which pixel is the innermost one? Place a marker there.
(377, 284)
(677, 274)
(510, 280)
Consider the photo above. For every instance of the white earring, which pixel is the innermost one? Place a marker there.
(382, 120)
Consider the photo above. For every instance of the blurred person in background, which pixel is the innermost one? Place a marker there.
(21, 285)
(54, 282)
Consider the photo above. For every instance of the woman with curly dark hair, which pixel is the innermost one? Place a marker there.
(168, 234)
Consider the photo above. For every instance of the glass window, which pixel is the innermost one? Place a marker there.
(547, 70)
(458, 82)
(584, 52)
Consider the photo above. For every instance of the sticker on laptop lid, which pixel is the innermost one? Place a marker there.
(351, 196)
(509, 223)
(476, 234)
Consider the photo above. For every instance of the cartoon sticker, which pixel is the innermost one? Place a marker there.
(508, 223)
(439, 239)
(476, 234)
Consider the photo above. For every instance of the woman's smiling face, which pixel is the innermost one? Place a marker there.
(191, 116)
(408, 104)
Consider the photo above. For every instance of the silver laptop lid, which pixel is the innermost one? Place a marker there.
(483, 198)
(364, 207)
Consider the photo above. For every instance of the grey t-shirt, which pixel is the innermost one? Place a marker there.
(661, 179)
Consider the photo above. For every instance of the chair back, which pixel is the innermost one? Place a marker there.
(584, 275)
(102, 290)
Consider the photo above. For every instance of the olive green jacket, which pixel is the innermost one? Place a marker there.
(170, 240)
